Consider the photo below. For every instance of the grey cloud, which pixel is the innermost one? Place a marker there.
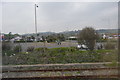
(53, 16)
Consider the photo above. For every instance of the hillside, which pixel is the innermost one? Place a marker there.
(72, 33)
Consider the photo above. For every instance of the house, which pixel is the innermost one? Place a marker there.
(104, 36)
(1, 37)
(17, 38)
(72, 38)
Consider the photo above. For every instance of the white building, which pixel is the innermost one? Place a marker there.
(18, 38)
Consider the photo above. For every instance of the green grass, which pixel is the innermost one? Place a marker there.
(113, 64)
(103, 51)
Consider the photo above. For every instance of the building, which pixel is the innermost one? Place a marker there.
(18, 38)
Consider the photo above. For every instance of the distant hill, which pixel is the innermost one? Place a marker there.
(40, 33)
(107, 31)
(72, 33)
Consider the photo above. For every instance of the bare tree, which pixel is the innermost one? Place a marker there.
(88, 36)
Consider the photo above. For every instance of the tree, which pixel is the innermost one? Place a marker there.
(44, 41)
(51, 38)
(10, 34)
(60, 37)
(88, 36)
(33, 38)
(16, 35)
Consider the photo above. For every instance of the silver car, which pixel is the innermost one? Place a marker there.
(82, 47)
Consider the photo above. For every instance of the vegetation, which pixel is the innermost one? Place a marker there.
(59, 55)
(17, 49)
(9, 36)
(6, 46)
(54, 37)
(88, 36)
(30, 49)
(113, 64)
(6, 49)
(110, 45)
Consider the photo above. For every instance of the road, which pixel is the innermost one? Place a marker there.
(47, 45)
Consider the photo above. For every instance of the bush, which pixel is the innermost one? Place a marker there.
(63, 49)
(19, 41)
(30, 49)
(17, 48)
(6, 46)
(59, 50)
(42, 49)
(61, 55)
(109, 45)
(112, 64)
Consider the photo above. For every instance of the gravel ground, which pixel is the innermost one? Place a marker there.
(58, 73)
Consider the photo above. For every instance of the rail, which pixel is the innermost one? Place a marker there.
(54, 77)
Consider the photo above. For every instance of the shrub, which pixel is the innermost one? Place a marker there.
(62, 49)
(6, 46)
(6, 49)
(7, 53)
(30, 49)
(19, 41)
(61, 55)
(17, 48)
(42, 49)
(73, 49)
(112, 64)
(109, 45)
(110, 56)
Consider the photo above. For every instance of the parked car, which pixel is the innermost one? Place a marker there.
(82, 47)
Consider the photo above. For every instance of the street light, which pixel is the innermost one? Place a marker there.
(36, 21)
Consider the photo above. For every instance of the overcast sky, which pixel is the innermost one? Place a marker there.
(18, 17)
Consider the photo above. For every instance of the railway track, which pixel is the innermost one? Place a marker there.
(54, 70)
(62, 77)
(65, 77)
(32, 74)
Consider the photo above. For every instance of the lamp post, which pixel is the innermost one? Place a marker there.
(36, 22)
